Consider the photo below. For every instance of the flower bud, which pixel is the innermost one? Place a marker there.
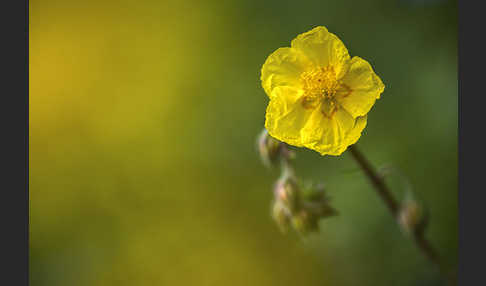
(305, 222)
(269, 148)
(411, 217)
(317, 202)
(287, 191)
(281, 215)
(302, 205)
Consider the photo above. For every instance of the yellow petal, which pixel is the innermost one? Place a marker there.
(283, 68)
(286, 115)
(289, 119)
(332, 135)
(355, 133)
(323, 48)
(361, 87)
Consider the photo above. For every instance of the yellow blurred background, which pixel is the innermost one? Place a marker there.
(143, 166)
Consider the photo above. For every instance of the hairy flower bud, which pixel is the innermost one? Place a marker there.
(317, 202)
(305, 222)
(411, 217)
(302, 205)
(281, 215)
(287, 192)
(269, 148)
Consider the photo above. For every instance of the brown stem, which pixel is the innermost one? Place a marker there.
(386, 195)
(377, 181)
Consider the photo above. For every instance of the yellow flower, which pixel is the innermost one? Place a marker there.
(319, 95)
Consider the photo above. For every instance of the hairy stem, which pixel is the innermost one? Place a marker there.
(387, 197)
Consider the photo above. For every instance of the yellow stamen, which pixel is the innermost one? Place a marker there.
(320, 85)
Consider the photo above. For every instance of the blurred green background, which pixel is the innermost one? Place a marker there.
(143, 165)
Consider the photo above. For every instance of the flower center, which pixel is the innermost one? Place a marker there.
(320, 82)
(320, 86)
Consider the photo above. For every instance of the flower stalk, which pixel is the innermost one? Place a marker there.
(418, 231)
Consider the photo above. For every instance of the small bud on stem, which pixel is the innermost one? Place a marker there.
(269, 149)
(410, 216)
